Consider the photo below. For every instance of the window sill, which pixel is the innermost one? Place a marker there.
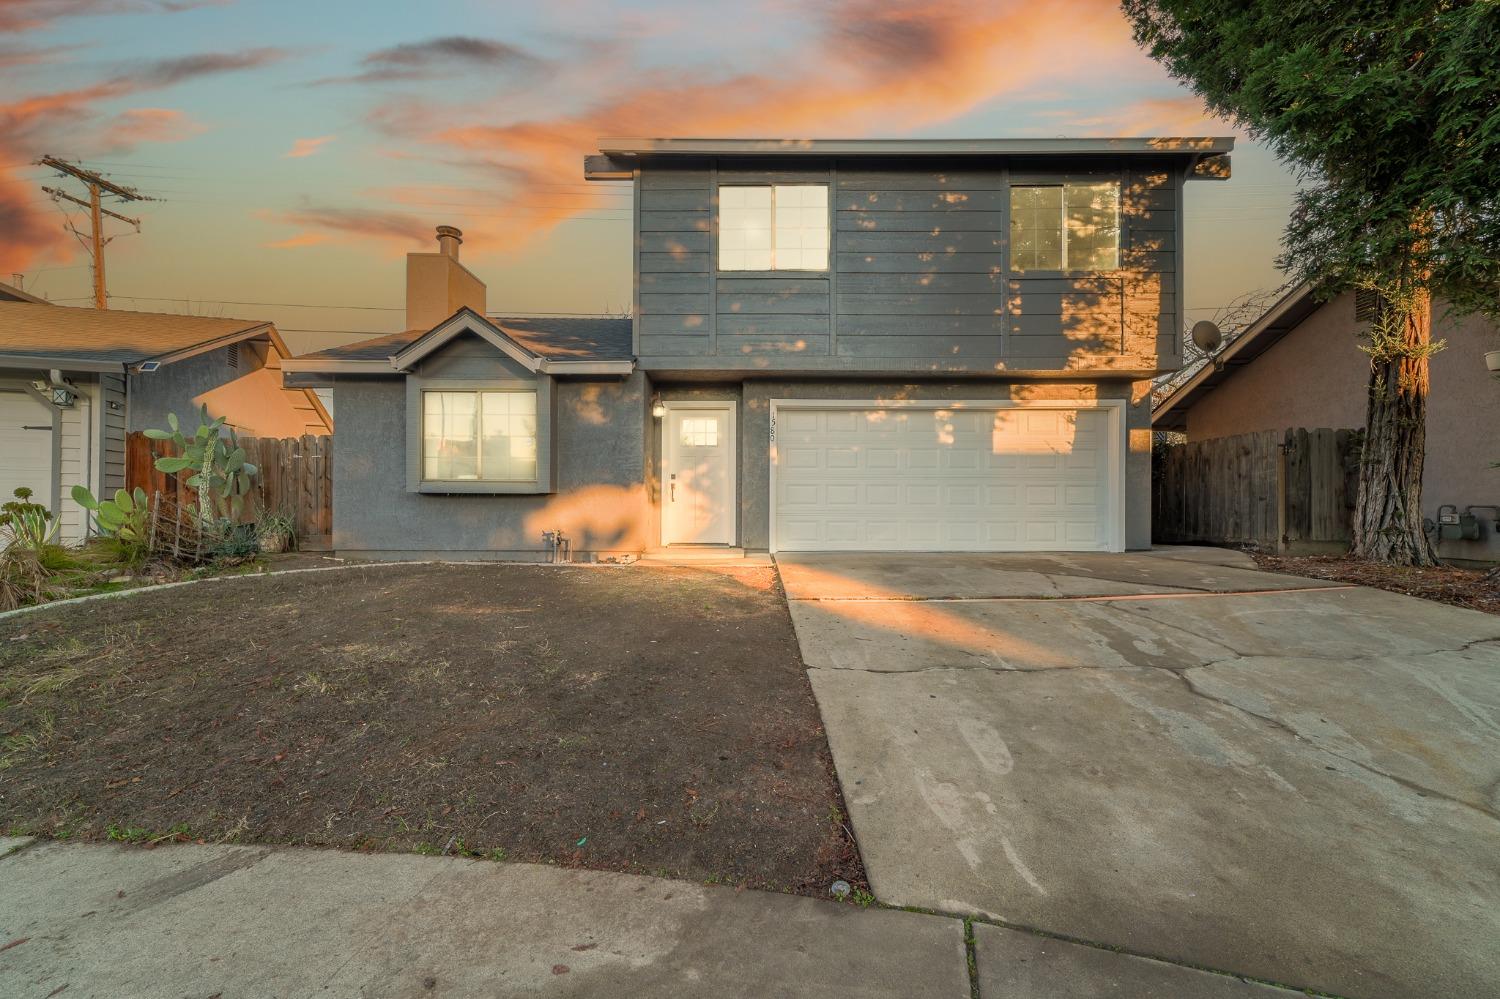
(1114, 273)
(773, 274)
(471, 487)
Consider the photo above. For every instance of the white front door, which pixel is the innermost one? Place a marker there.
(697, 476)
(25, 446)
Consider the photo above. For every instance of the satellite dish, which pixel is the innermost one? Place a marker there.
(1206, 336)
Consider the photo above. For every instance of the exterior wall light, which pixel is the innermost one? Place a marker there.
(658, 408)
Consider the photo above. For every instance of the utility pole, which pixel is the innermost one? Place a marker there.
(99, 186)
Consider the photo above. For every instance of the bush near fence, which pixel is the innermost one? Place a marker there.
(294, 475)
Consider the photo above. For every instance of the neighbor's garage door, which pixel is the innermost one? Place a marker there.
(1015, 479)
(25, 447)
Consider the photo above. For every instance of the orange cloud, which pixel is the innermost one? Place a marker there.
(872, 66)
(306, 147)
(1183, 115)
(70, 120)
(141, 125)
(299, 241)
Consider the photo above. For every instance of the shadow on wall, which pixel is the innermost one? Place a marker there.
(595, 518)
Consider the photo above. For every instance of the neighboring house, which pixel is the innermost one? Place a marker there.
(73, 382)
(835, 345)
(1300, 365)
(10, 293)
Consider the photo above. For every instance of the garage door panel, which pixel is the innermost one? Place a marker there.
(942, 480)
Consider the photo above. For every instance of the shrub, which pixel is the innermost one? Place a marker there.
(23, 579)
(29, 524)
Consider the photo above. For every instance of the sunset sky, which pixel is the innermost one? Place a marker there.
(303, 147)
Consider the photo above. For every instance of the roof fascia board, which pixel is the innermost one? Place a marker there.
(634, 146)
(549, 367)
(338, 366)
(462, 321)
(173, 356)
(1187, 389)
(41, 361)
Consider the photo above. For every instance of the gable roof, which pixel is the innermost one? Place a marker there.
(541, 343)
(1260, 336)
(46, 335)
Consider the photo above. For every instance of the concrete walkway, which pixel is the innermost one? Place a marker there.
(94, 920)
(1173, 753)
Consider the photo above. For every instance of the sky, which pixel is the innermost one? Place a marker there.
(300, 149)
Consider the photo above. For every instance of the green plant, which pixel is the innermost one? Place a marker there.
(126, 520)
(221, 474)
(276, 532)
(23, 578)
(30, 524)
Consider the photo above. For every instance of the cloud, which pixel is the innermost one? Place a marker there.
(299, 241)
(306, 147)
(12, 56)
(436, 57)
(32, 15)
(866, 67)
(361, 222)
(72, 120)
(142, 125)
(1180, 115)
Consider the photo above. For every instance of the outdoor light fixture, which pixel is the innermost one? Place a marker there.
(62, 396)
(658, 408)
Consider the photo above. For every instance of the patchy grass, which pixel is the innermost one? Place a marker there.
(655, 720)
(1446, 584)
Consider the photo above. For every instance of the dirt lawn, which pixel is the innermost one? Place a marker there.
(1471, 588)
(655, 720)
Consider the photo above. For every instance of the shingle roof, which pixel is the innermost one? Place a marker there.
(62, 333)
(555, 338)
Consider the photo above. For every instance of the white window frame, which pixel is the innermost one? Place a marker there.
(827, 222)
(1063, 184)
(479, 394)
(416, 388)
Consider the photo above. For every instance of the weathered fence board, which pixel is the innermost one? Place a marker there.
(1269, 489)
(294, 476)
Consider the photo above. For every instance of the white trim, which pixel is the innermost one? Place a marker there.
(587, 367)
(713, 405)
(465, 320)
(339, 366)
(1118, 433)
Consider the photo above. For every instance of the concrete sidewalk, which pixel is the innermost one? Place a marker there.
(94, 920)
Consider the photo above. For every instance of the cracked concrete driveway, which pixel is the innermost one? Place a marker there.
(1171, 753)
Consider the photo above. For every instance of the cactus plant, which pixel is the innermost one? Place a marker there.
(126, 519)
(30, 524)
(221, 474)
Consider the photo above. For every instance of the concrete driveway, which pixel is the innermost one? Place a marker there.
(1171, 753)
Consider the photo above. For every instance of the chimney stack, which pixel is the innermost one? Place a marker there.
(449, 237)
(437, 285)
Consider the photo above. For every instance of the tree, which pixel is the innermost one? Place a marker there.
(1389, 111)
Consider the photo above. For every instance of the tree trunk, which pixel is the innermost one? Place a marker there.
(1388, 515)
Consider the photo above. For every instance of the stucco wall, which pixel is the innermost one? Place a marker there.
(754, 427)
(599, 502)
(1316, 377)
(249, 396)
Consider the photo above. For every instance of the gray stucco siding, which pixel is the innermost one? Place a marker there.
(175, 388)
(598, 500)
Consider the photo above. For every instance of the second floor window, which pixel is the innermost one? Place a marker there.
(773, 227)
(1065, 227)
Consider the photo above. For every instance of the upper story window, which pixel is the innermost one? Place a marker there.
(1065, 227)
(773, 227)
(479, 436)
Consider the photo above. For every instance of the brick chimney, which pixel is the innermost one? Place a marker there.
(437, 285)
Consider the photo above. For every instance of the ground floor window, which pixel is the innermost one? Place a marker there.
(486, 436)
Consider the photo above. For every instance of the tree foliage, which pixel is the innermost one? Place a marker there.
(1390, 112)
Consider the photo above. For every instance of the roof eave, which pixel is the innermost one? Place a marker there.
(62, 363)
(1197, 146)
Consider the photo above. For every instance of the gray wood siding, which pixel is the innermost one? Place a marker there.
(918, 272)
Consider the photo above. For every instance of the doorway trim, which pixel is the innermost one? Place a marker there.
(728, 406)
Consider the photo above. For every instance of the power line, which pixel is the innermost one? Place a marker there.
(99, 187)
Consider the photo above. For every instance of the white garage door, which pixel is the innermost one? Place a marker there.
(961, 479)
(25, 447)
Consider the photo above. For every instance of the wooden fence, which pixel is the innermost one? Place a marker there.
(1273, 490)
(294, 476)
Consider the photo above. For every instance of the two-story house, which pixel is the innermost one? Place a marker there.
(835, 345)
